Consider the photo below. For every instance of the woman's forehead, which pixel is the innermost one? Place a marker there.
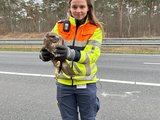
(79, 2)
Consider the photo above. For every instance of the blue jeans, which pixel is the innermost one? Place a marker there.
(72, 101)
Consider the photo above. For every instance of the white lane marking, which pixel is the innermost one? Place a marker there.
(117, 81)
(113, 95)
(125, 94)
(133, 92)
(149, 63)
(26, 74)
(148, 84)
(102, 80)
(130, 82)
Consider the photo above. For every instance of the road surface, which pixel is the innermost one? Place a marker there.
(129, 87)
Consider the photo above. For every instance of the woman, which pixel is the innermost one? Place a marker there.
(83, 37)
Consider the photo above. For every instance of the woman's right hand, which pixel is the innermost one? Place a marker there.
(45, 55)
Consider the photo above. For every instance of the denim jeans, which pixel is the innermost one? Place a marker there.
(72, 101)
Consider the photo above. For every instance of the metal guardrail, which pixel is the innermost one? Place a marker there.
(21, 42)
(106, 42)
(131, 42)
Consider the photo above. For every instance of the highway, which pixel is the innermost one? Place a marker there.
(106, 41)
(128, 87)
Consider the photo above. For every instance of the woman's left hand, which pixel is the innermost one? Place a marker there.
(63, 52)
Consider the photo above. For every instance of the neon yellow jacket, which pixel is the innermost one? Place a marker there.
(88, 37)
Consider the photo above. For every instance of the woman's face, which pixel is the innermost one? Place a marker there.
(78, 9)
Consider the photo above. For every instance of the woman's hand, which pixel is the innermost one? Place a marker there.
(63, 52)
(45, 55)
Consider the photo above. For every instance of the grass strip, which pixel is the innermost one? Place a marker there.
(131, 50)
(104, 49)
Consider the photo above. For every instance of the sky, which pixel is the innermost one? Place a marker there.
(38, 1)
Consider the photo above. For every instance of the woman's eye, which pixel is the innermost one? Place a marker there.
(82, 6)
(74, 7)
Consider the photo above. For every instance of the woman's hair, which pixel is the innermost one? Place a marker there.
(91, 14)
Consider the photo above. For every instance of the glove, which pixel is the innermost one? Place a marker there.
(63, 52)
(45, 55)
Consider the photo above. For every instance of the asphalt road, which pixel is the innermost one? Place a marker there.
(129, 87)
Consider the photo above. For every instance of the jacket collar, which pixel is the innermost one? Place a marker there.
(73, 20)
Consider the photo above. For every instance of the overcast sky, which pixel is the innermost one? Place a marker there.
(39, 1)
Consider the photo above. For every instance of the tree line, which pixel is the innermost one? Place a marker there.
(120, 18)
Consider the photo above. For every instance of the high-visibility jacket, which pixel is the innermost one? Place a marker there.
(87, 38)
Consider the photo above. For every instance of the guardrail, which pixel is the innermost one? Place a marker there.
(131, 41)
(106, 42)
(21, 42)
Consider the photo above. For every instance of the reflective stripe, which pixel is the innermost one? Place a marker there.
(77, 43)
(90, 77)
(68, 42)
(85, 77)
(80, 43)
(87, 58)
(93, 48)
(70, 63)
(94, 42)
(76, 67)
(93, 67)
(62, 76)
(76, 82)
(88, 69)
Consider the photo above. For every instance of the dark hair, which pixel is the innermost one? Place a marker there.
(91, 14)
